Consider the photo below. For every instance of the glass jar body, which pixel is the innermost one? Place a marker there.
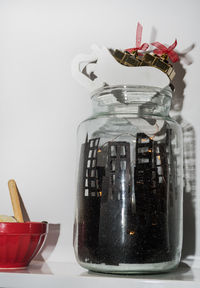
(129, 193)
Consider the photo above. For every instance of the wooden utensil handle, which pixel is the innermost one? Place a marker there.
(15, 200)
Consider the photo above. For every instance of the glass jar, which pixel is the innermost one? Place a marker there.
(129, 195)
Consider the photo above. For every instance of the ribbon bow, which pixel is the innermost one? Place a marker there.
(144, 46)
(163, 50)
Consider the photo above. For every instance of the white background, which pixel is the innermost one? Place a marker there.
(41, 105)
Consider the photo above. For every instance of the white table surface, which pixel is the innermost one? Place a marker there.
(63, 274)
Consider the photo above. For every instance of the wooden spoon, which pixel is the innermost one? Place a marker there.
(15, 201)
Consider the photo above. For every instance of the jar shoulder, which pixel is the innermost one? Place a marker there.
(127, 124)
(132, 118)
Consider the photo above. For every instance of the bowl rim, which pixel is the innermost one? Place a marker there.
(28, 227)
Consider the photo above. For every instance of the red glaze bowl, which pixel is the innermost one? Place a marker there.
(20, 242)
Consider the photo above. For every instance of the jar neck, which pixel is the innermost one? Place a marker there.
(142, 100)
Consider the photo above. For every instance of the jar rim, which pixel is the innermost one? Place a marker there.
(102, 91)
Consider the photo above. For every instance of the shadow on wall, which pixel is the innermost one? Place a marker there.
(50, 243)
(189, 159)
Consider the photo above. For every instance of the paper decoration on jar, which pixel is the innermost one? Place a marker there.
(158, 58)
(132, 66)
(101, 69)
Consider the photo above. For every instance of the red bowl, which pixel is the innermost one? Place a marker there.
(20, 242)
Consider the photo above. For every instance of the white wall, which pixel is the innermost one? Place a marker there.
(41, 105)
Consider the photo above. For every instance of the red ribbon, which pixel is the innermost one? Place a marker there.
(161, 50)
(144, 46)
